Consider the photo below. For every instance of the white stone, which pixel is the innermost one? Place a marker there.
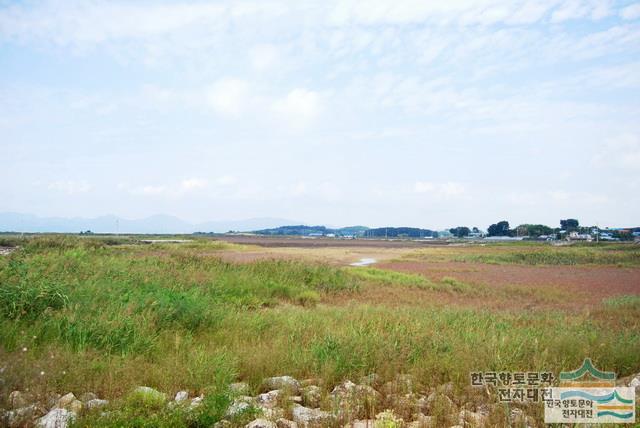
(181, 396)
(261, 423)
(306, 417)
(96, 403)
(56, 418)
(282, 382)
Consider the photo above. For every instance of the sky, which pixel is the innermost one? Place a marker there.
(379, 112)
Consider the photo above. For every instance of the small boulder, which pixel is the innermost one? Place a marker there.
(422, 422)
(71, 403)
(269, 399)
(438, 401)
(23, 416)
(240, 405)
(66, 400)
(181, 396)
(362, 423)
(88, 396)
(281, 382)
(467, 418)
(635, 383)
(261, 423)
(19, 399)
(311, 396)
(354, 401)
(96, 403)
(286, 423)
(306, 417)
(195, 402)
(56, 418)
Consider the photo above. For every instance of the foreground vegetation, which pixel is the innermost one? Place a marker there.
(81, 315)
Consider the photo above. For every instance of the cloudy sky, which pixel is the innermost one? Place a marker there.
(377, 112)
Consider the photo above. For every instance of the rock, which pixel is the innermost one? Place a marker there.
(96, 403)
(296, 399)
(56, 418)
(239, 388)
(88, 396)
(422, 422)
(51, 399)
(18, 399)
(197, 401)
(272, 414)
(311, 396)
(286, 423)
(407, 405)
(362, 423)
(306, 417)
(223, 424)
(71, 403)
(403, 384)
(239, 406)
(181, 396)
(23, 416)
(354, 401)
(66, 400)
(635, 383)
(421, 404)
(269, 399)
(438, 401)
(281, 382)
(467, 418)
(261, 423)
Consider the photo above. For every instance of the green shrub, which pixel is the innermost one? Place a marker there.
(24, 300)
(308, 298)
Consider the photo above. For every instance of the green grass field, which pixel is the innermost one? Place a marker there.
(80, 315)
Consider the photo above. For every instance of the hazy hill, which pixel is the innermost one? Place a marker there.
(19, 222)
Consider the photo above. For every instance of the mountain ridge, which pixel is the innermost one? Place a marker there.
(157, 223)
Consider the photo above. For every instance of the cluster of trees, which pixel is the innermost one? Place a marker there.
(462, 231)
(400, 232)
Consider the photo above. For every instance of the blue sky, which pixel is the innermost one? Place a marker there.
(377, 112)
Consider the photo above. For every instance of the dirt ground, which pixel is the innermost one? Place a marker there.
(567, 287)
(594, 282)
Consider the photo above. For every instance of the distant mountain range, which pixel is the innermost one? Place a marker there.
(18, 222)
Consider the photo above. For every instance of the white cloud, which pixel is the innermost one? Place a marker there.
(631, 12)
(298, 107)
(229, 97)
(193, 184)
(70, 187)
(572, 9)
